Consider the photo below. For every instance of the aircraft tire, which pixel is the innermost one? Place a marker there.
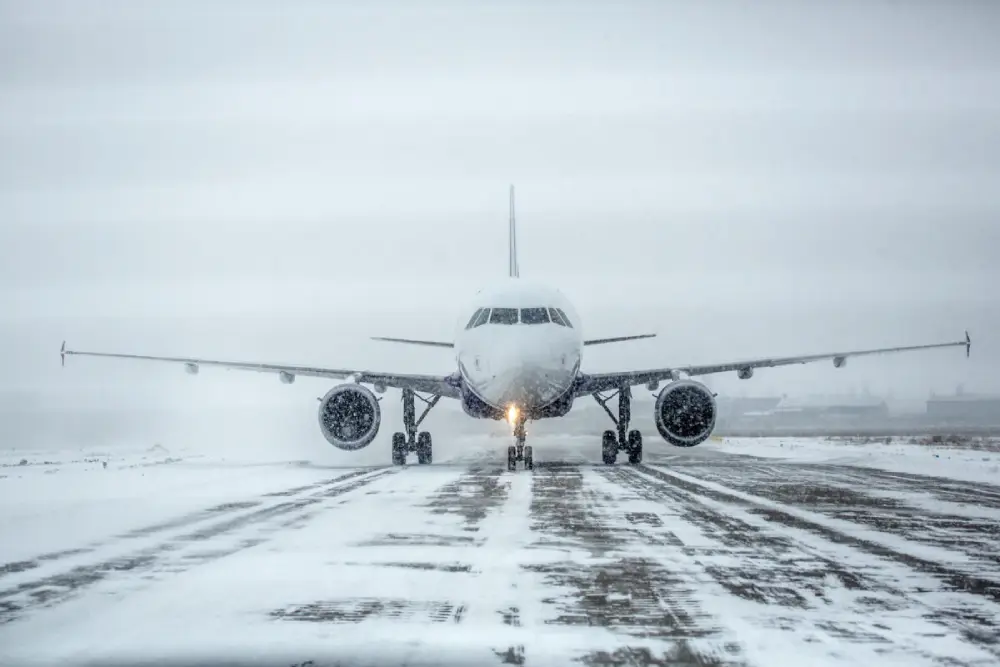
(424, 448)
(609, 448)
(634, 447)
(398, 449)
(512, 458)
(529, 462)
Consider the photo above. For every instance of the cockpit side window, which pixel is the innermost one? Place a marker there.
(475, 316)
(483, 316)
(565, 319)
(503, 316)
(558, 318)
(534, 316)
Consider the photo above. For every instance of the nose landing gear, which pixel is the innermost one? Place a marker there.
(411, 441)
(519, 451)
(624, 440)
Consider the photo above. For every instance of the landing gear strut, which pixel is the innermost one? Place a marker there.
(518, 451)
(411, 441)
(624, 440)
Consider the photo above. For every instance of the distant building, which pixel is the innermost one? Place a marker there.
(736, 406)
(822, 409)
(741, 411)
(976, 409)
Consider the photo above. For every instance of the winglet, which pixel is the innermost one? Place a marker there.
(968, 344)
(62, 353)
(512, 267)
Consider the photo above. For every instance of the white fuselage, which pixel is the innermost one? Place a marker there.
(523, 350)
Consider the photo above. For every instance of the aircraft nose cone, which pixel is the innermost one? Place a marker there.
(532, 378)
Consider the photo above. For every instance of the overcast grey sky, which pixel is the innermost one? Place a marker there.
(278, 181)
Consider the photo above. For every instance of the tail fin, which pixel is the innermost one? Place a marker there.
(512, 240)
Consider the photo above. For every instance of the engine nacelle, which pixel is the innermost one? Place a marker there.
(349, 416)
(685, 413)
(839, 362)
(745, 373)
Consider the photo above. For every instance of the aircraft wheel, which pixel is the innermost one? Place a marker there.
(398, 449)
(424, 451)
(512, 458)
(609, 448)
(634, 447)
(529, 463)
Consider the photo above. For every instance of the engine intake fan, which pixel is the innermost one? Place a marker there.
(349, 416)
(685, 413)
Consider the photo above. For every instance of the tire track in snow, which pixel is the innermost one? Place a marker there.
(612, 581)
(169, 556)
(951, 490)
(876, 502)
(472, 499)
(809, 571)
(182, 521)
(790, 516)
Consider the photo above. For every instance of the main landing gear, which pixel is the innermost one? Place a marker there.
(624, 440)
(519, 451)
(411, 441)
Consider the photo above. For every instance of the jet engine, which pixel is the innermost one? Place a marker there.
(685, 413)
(349, 416)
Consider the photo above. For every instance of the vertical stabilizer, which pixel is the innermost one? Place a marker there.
(512, 240)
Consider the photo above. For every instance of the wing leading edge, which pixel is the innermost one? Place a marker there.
(617, 339)
(589, 383)
(411, 341)
(443, 385)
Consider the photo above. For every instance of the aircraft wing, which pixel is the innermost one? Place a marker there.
(617, 339)
(410, 341)
(442, 385)
(590, 383)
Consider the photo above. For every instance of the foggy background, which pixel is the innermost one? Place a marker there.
(280, 181)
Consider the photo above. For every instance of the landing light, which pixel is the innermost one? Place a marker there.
(512, 414)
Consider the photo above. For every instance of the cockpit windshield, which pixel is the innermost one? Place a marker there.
(484, 315)
(503, 316)
(472, 320)
(559, 317)
(534, 316)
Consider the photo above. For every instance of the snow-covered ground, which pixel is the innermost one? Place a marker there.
(899, 454)
(799, 554)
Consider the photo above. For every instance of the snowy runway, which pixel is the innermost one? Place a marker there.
(695, 558)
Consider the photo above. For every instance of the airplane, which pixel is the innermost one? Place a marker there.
(518, 352)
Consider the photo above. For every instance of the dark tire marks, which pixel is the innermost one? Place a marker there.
(561, 511)
(356, 610)
(168, 555)
(24, 565)
(951, 490)
(681, 654)
(955, 580)
(976, 620)
(176, 523)
(772, 569)
(616, 587)
(472, 496)
(847, 494)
